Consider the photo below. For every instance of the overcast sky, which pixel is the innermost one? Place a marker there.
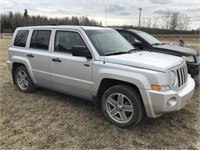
(110, 12)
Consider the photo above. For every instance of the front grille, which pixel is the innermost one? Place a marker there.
(182, 75)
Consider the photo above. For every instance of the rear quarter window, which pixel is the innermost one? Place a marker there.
(21, 38)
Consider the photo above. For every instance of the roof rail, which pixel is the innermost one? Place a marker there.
(51, 24)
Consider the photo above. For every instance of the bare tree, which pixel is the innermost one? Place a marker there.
(179, 21)
(174, 21)
(184, 22)
(155, 22)
(149, 22)
(165, 21)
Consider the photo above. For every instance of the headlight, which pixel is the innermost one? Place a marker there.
(189, 59)
(172, 78)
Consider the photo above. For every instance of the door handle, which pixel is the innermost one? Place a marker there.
(56, 60)
(30, 55)
(87, 65)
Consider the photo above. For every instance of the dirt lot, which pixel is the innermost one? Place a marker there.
(51, 120)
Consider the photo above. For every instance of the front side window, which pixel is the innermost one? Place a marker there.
(128, 37)
(21, 38)
(65, 41)
(40, 39)
(108, 42)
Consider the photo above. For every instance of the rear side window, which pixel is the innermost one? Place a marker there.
(40, 39)
(21, 37)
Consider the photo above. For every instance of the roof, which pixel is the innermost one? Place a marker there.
(125, 29)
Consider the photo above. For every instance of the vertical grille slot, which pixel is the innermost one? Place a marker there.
(182, 76)
(178, 78)
(185, 73)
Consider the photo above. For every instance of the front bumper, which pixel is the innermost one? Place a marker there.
(9, 65)
(194, 68)
(169, 101)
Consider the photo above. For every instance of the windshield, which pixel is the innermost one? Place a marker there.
(108, 42)
(150, 39)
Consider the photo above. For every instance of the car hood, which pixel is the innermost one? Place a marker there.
(176, 49)
(148, 60)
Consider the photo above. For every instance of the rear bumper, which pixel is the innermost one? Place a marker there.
(169, 101)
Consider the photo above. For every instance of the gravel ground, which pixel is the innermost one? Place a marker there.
(51, 120)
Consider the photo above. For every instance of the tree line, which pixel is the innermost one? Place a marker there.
(171, 21)
(10, 21)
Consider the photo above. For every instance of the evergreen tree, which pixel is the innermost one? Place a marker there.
(26, 13)
(10, 21)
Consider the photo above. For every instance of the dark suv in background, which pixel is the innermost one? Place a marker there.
(145, 41)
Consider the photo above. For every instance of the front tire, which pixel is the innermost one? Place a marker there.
(23, 80)
(122, 106)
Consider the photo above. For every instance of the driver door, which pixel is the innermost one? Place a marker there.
(70, 74)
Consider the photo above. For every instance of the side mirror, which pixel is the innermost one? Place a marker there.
(81, 51)
(138, 44)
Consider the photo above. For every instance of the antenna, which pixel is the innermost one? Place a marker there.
(105, 26)
(105, 14)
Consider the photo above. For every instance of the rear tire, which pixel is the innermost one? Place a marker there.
(23, 80)
(122, 106)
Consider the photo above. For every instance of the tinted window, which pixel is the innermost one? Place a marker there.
(21, 37)
(128, 37)
(64, 41)
(40, 40)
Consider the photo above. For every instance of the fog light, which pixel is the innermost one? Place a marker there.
(172, 102)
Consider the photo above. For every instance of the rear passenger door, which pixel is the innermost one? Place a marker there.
(38, 55)
(70, 74)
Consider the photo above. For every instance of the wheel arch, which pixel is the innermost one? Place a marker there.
(14, 67)
(107, 83)
(17, 62)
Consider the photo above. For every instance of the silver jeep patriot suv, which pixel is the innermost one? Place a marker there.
(99, 65)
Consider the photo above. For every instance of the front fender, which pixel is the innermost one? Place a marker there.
(141, 78)
(137, 79)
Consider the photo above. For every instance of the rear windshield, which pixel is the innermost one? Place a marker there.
(21, 38)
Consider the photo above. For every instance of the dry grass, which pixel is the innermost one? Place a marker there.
(51, 120)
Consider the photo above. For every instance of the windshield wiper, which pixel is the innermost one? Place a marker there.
(133, 50)
(116, 53)
(157, 44)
